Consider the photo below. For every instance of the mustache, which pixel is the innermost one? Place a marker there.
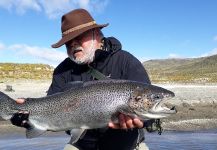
(72, 50)
(78, 48)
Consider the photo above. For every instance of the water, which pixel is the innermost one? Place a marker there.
(19, 142)
(200, 140)
(203, 140)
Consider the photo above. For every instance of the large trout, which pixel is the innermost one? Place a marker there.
(89, 105)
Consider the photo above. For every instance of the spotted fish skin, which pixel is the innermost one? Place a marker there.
(88, 105)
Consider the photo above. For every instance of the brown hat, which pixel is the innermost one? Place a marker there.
(75, 23)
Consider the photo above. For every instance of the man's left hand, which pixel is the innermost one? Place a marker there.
(126, 122)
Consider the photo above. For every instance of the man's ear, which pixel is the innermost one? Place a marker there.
(97, 35)
(96, 32)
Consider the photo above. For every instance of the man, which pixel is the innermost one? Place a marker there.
(89, 52)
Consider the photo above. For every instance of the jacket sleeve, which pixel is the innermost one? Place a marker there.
(135, 70)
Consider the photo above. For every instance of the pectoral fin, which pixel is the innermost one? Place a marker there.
(33, 131)
(76, 134)
(128, 112)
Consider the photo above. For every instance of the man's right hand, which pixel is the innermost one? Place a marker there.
(21, 118)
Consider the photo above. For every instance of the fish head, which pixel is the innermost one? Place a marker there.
(148, 102)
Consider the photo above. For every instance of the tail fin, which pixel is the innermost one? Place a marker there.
(6, 105)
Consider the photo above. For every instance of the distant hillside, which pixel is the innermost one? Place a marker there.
(25, 71)
(194, 70)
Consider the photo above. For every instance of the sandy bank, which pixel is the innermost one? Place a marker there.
(26, 88)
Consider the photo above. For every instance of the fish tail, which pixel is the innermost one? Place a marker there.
(6, 104)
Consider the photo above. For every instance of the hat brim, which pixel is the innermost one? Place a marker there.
(76, 33)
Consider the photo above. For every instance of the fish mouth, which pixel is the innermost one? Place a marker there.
(159, 110)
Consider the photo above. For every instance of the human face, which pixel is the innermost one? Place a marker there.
(82, 49)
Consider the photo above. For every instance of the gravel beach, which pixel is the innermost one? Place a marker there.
(196, 104)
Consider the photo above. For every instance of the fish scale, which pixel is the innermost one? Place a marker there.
(89, 105)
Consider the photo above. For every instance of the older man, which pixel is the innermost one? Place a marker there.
(90, 53)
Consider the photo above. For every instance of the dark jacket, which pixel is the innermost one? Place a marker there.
(116, 64)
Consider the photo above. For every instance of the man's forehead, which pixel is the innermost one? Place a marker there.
(86, 33)
(83, 35)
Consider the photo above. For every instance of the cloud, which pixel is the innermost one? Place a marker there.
(142, 59)
(172, 55)
(57, 7)
(41, 54)
(54, 8)
(20, 6)
(212, 52)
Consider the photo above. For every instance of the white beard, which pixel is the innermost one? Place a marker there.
(88, 57)
(89, 54)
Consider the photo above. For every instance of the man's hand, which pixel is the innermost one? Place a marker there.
(20, 100)
(126, 122)
(20, 119)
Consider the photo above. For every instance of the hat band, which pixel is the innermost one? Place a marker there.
(78, 27)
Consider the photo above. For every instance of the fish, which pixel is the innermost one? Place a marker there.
(89, 105)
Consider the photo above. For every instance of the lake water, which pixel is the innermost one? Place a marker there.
(200, 140)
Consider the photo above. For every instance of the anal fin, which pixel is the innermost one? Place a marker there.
(33, 131)
(76, 134)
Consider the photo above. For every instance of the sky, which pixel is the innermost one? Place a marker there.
(149, 29)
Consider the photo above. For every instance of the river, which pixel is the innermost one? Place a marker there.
(169, 140)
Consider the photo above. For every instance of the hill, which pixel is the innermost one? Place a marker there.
(25, 71)
(192, 70)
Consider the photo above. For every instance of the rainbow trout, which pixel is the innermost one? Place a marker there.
(89, 105)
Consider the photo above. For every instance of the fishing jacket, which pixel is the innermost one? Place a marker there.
(114, 63)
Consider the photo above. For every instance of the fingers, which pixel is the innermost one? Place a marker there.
(20, 100)
(126, 122)
(121, 125)
(24, 119)
(133, 122)
(129, 122)
(122, 121)
(138, 123)
(113, 125)
(20, 119)
(25, 124)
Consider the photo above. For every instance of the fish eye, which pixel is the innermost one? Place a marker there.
(156, 96)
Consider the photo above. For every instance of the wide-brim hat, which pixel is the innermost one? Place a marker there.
(75, 23)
